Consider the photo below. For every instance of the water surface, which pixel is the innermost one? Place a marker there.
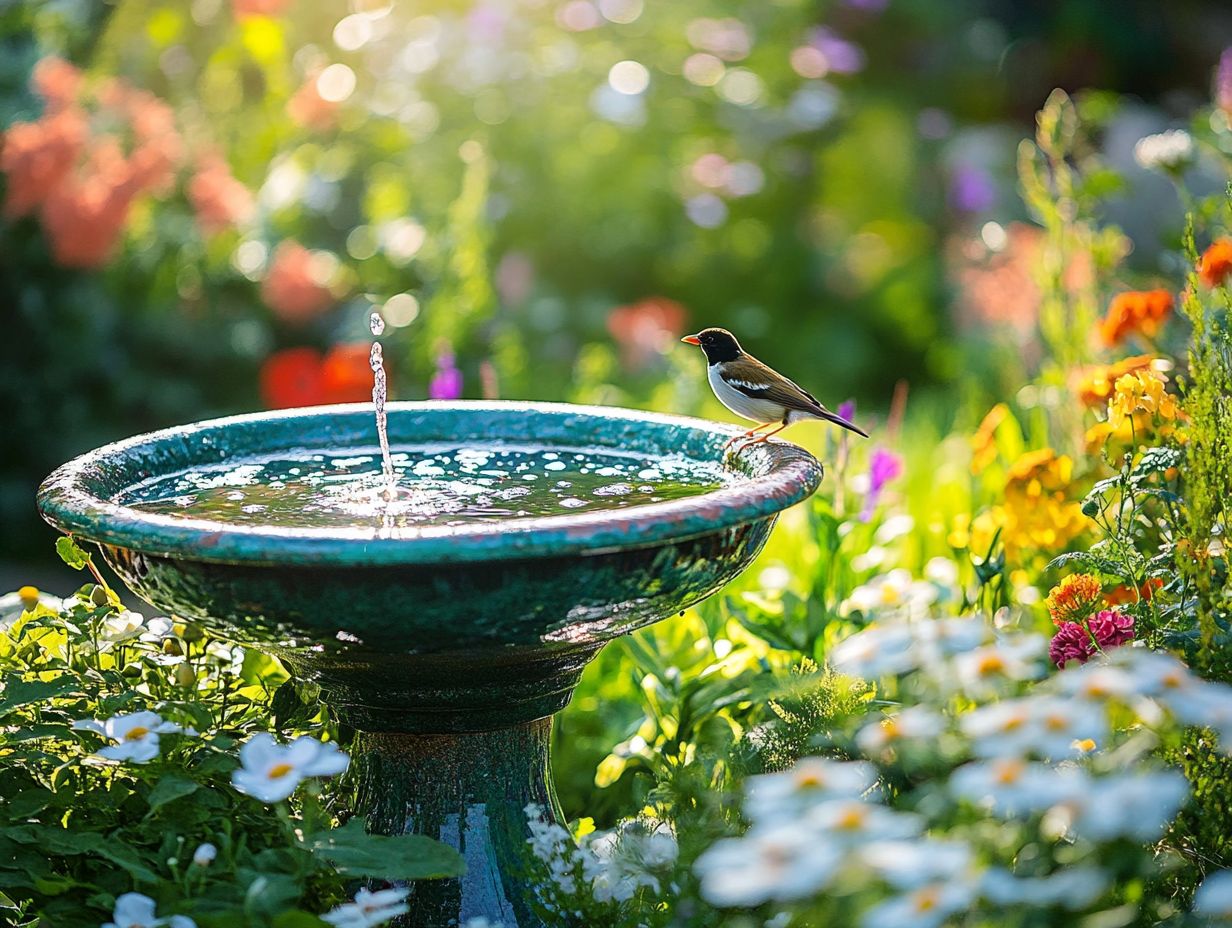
(442, 484)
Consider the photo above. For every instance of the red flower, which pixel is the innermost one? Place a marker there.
(1070, 643)
(1111, 628)
(291, 378)
(646, 328)
(1216, 262)
(346, 374)
(294, 288)
(1122, 595)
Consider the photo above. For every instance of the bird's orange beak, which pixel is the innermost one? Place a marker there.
(691, 340)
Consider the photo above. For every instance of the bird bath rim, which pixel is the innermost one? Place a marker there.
(78, 497)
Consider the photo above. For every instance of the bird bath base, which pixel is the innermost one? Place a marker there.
(447, 649)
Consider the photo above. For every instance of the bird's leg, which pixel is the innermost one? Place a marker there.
(766, 436)
(749, 434)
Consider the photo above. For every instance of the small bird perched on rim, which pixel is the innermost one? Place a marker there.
(755, 391)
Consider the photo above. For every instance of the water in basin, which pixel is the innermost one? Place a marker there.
(437, 484)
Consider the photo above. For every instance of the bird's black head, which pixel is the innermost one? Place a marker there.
(719, 344)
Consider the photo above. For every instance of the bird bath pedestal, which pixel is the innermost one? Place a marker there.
(446, 648)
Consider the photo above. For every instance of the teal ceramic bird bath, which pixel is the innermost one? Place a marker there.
(446, 640)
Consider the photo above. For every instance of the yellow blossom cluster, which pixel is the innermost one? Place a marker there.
(1140, 409)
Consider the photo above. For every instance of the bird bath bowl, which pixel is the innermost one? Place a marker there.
(446, 646)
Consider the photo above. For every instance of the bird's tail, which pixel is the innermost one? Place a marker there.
(839, 420)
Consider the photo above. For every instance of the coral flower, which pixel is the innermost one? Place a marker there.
(292, 377)
(294, 288)
(1111, 628)
(219, 199)
(1135, 312)
(1074, 598)
(346, 374)
(84, 221)
(57, 82)
(1216, 262)
(646, 329)
(39, 155)
(1070, 643)
(309, 109)
(242, 9)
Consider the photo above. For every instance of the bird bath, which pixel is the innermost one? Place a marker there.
(447, 641)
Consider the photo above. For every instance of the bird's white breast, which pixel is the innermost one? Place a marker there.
(740, 403)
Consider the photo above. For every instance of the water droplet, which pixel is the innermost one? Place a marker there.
(376, 323)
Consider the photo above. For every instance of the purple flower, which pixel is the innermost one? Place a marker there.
(1223, 82)
(843, 57)
(1112, 628)
(972, 189)
(447, 381)
(872, 6)
(847, 409)
(883, 467)
(1070, 643)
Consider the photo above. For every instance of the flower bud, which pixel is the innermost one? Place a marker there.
(99, 597)
(204, 855)
(172, 646)
(192, 632)
(185, 676)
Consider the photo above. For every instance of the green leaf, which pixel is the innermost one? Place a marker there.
(29, 802)
(19, 692)
(169, 789)
(354, 852)
(298, 918)
(1086, 560)
(71, 553)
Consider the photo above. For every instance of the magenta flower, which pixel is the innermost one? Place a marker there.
(1072, 642)
(972, 189)
(883, 467)
(446, 383)
(847, 409)
(1111, 628)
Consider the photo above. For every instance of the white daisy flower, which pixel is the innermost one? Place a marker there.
(133, 910)
(272, 771)
(113, 630)
(1046, 726)
(1097, 680)
(926, 907)
(915, 723)
(897, 592)
(204, 855)
(1214, 897)
(785, 795)
(1012, 787)
(984, 671)
(1138, 806)
(910, 864)
(853, 821)
(1071, 888)
(369, 909)
(782, 863)
(136, 735)
(881, 651)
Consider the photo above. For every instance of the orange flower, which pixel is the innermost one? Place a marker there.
(1135, 311)
(984, 441)
(309, 109)
(292, 377)
(57, 82)
(1096, 383)
(1124, 595)
(1216, 262)
(1074, 598)
(84, 216)
(219, 199)
(346, 375)
(37, 156)
(295, 286)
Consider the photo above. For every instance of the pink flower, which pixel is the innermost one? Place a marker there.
(57, 82)
(1071, 643)
(1112, 628)
(646, 329)
(883, 467)
(295, 287)
(219, 199)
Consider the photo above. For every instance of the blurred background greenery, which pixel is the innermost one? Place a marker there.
(539, 194)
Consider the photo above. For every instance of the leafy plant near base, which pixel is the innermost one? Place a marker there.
(127, 746)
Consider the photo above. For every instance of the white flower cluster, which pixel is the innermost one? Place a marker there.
(1049, 760)
(608, 866)
(369, 909)
(898, 594)
(1166, 151)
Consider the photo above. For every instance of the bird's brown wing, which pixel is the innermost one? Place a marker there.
(753, 378)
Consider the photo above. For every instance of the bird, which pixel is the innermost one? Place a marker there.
(755, 390)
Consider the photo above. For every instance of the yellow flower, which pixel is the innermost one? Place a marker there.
(1074, 598)
(1037, 513)
(984, 441)
(1140, 410)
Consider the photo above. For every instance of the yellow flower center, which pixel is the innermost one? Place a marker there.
(809, 780)
(279, 770)
(136, 733)
(1013, 724)
(1086, 745)
(890, 728)
(990, 663)
(852, 818)
(927, 899)
(29, 596)
(1009, 772)
(1056, 723)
